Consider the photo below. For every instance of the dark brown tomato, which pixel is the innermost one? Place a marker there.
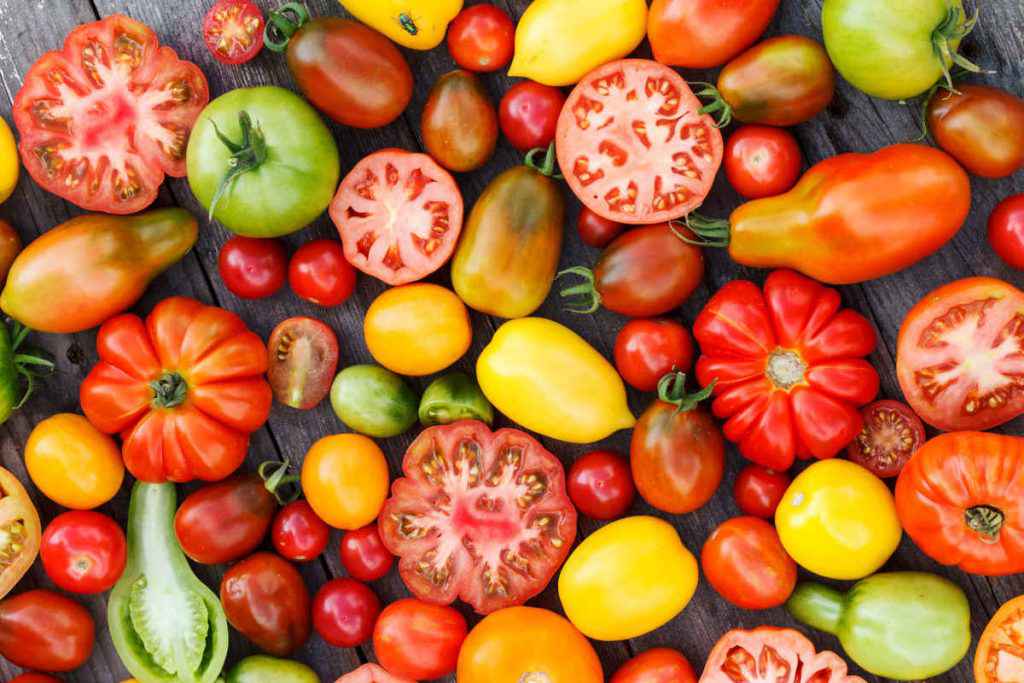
(226, 521)
(459, 123)
(981, 126)
(303, 356)
(266, 601)
(892, 433)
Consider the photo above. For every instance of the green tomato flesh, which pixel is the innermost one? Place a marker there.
(373, 401)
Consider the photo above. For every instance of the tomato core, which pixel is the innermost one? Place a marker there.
(12, 538)
(785, 368)
(986, 521)
(169, 391)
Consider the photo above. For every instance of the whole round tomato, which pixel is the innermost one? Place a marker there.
(459, 125)
(981, 126)
(345, 480)
(298, 534)
(266, 600)
(302, 355)
(371, 673)
(418, 640)
(657, 665)
(374, 401)
(34, 678)
(600, 485)
(264, 668)
(891, 434)
(758, 490)
(319, 273)
(252, 268)
(701, 34)
(224, 522)
(20, 532)
(364, 555)
(996, 658)
(482, 38)
(10, 167)
(762, 161)
(42, 630)
(1006, 230)
(647, 350)
(73, 463)
(233, 31)
(528, 114)
(344, 612)
(84, 552)
(596, 231)
(789, 658)
(745, 562)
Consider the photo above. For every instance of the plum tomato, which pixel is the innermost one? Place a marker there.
(479, 516)
(84, 552)
(320, 273)
(302, 355)
(225, 521)
(648, 349)
(600, 485)
(1006, 231)
(233, 31)
(759, 490)
(298, 534)
(981, 127)
(762, 161)
(657, 665)
(482, 38)
(743, 559)
(596, 231)
(252, 268)
(42, 630)
(459, 125)
(418, 640)
(363, 554)
(528, 114)
(892, 433)
(266, 600)
(344, 612)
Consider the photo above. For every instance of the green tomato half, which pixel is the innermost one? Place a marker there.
(266, 669)
(373, 401)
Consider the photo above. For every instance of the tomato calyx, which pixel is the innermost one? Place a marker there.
(707, 232)
(549, 166)
(718, 108)
(282, 25)
(169, 391)
(534, 677)
(29, 364)
(247, 155)
(986, 521)
(786, 368)
(590, 298)
(275, 476)
(672, 390)
(954, 27)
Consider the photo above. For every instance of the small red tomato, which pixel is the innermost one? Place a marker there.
(482, 38)
(762, 161)
(600, 485)
(597, 231)
(418, 640)
(759, 490)
(83, 552)
(363, 554)
(298, 534)
(344, 612)
(1006, 231)
(252, 268)
(233, 31)
(319, 273)
(647, 350)
(658, 665)
(34, 678)
(528, 114)
(892, 433)
(42, 630)
(743, 559)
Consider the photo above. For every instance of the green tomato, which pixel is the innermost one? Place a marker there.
(262, 162)
(373, 401)
(263, 669)
(902, 625)
(454, 397)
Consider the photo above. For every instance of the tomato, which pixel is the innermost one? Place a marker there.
(981, 126)
(34, 678)
(344, 612)
(302, 355)
(345, 480)
(320, 273)
(84, 552)
(647, 350)
(364, 555)
(373, 401)
(416, 24)
(773, 655)
(233, 31)
(19, 531)
(226, 521)
(73, 463)
(417, 329)
(101, 157)
(10, 245)
(891, 434)
(596, 231)
(745, 562)
(252, 268)
(42, 630)
(788, 367)
(266, 601)
(600, 485)
(1006, 230)
(657, 665)
(298, 534)
(519, 644)
(459, 124)
(184, 389)
(759, 490)
(838, 520)
(706, 33)
(528, 114)
(997, 659)
(762, 161)
(418, 640)
(371, 673)
(637, 171)
(482, 38)
(453, 397)
(399, 215)
(492, 535)
(9, 166)
(262, 668)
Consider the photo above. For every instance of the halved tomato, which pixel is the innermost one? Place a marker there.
(233, 31)
(960, 355)
(371, 673)
(20, 532)
(399, 215)
(891, 434)
(480, 516)
(104, 120)
(302, 357)
(773, 655)
(1000, 654)
(634, 146)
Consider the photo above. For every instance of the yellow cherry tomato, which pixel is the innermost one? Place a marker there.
(9, 167)
(838, 520)
(73, 463)
(627, 579)
(558, 42)
(550, 380)
(417, 24)
(417, 329)
(345, 480)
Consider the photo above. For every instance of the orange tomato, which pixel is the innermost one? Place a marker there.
(999, 658)
(345, 480)
(73, 463)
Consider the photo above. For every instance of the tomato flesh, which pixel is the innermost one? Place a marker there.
(20, 531)
(302, 357)
(891, 434)
(233, 31)
(773, 655)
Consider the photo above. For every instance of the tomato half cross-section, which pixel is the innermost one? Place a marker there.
(480, 516)
(633, 145)
(20, 531)
(999, 658)
(105, 119)
(773, 655)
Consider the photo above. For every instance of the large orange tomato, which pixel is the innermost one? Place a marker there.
(999, 657)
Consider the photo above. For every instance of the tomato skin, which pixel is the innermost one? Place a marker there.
(18, 513)
(1006, 230)
(34, 678)
(762, 161)
(73, 463)
(298, 534)
(482, 38)
(84, 552)
(745, 562)
(657, 665)
(418, 640)
(10, 245)
(891, 434)
(302, 355)
(714, 31)
(601, 485)
(266, 600)
(252, 268)
(597, 231)
(233, 31)
(647, 350)
(42, 630)
(344, 612)
(10, 167)
(364, 555)
(371, 673)
(345, 480)
(759, 490)
(981, 127)
(528, 114)
(411, 23)
(991, 655)
(797, 659)
(459, 124)
(224, 522)
(319, 273)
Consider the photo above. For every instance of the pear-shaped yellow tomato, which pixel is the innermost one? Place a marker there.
(9, 167)
(417, 24)
(838, 520)
(627, 579)
(548, 379)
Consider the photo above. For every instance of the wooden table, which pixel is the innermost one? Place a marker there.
(854, 122)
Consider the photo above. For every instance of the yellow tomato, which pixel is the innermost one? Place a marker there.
(345, 480)
(419, 24)
(548, 379)
(838, 520)
(8, 161)
(627, 579)
(73, 463)
(558, 42)
(417, 329)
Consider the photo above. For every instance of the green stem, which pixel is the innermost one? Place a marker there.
(246, 155)
(590, 298)
(672, 389)
(707, 232)
(718, 107)
(817, 605)
(275, 476)
(954, 28)
(549, 167)
(986, 521)
(282, 25)
(169, 391)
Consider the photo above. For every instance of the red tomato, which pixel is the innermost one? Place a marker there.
(773, 655)
(759, 490)
(762, 161)
(302, 357)
(1006, 231)
(595, 230)
(528, 114)
(344, 612)
(745, 562)
(298, 534)
(658, 665)
(600, 485)
(418, 640)
(647, 350)
(891, 434)
(84, 552)
(320, 273)
(34, 678)
(364, 555)
(108, 158)
(266, 601)
(701, 34)
(450, 531)
(981, 126)
(252, 268)
(45, 631)
(482, 38)
(399, 215)
(659, 160)
(233, 31)
(224, 522)
(960, 355)
(371, 673)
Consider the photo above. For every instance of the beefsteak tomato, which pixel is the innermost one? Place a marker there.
(20, 532)
(705, 33)
(773, 655)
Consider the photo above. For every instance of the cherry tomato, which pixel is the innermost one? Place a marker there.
(745, 562)
(597, 231)
(233, 31)
(528, 114)
(762, 161)
(1006, 231)
(344, 612)
(266, 600)
(225, 521)
(482, 38)
(646, 350)
(892, 433)
(758, 490)
(84, 552)
(298, 534)
(600, 485)
(418, 640)
(319, 273)
(364, 555)
(252, 268)
(303, 355)
(658, 665)
(42, 630)
(34, 678)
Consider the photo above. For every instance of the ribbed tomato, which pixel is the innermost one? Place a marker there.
(773, 655)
